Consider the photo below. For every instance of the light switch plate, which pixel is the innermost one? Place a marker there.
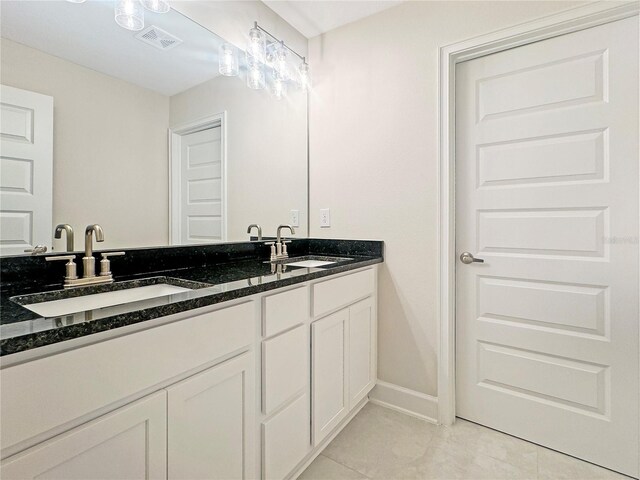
(294, 218)
(325, 218)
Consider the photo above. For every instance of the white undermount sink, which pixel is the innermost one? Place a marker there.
(66, 306)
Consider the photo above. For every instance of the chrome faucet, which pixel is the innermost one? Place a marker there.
(252, 226)
(69, 230)
(89, 261)
(281, 243)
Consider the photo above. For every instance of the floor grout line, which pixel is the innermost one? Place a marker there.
(345, 466)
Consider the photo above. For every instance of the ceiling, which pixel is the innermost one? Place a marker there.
(86, 34)
(315, 17)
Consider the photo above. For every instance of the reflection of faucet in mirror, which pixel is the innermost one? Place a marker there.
(89, 261)
(281, 244)
(37, 249)
(255, 225)
(69, 229)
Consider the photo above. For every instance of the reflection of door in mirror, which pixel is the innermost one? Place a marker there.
(198, 180)
(26, 170)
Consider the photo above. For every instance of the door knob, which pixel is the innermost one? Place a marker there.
(467, 258)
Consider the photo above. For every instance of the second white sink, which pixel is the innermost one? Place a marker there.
(66, 306)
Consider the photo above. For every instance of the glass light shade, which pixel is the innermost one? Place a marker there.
(280, 66)
(257, 45)
(129, 14)
(76, 1)
(305, 77)
(156, 6)
(278, 88)
(228, 60)
(255, 74)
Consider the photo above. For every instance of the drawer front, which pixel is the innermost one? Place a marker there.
(285, 367)
(285, 440)
(339, 292)
(114, 370)
(284, 310)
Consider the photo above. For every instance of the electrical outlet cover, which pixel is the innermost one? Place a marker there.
(325, 218)
(294, 218)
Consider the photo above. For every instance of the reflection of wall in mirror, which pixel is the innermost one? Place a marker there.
(122, 184)
(266, 150)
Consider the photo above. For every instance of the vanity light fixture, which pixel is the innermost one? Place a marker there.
(228, 60)
(276, 57)
(129, 14)
(156, 6)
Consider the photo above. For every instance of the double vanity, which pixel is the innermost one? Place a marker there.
(197, 362)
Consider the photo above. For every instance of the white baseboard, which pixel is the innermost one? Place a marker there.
(404, 400)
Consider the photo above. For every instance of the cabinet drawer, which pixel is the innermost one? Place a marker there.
(113, 370)
(285, 440)
(284, 310)
(338, 292)
(285, 367)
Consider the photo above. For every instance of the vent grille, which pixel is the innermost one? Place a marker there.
(158, 38)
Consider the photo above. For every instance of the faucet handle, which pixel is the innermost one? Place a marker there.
(105, 263)
(70, 266)
(112, 254)
(37, 249)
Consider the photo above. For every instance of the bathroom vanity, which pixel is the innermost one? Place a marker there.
(245, 378)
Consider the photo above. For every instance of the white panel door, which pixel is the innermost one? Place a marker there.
(210, 423)
(547, 194)
(201, 187)
(329, 363)
(129, 443)
(26, 170)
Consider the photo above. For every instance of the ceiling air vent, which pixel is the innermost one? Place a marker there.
(158, 38)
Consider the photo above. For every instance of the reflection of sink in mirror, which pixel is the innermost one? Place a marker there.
(66, 306)
(312, 261)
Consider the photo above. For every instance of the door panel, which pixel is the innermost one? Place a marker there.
(362, 338)
(201, 187)
(547, 194)
(330, 403)
(210, 423)
(129, 443)
(26, 170)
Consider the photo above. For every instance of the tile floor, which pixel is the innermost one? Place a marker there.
(380, 443)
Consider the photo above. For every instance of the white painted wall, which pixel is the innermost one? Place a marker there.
(373, 157)
(109, 148)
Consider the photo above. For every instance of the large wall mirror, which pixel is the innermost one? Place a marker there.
(138, 132)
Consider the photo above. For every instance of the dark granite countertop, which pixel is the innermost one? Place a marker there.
(211, 280)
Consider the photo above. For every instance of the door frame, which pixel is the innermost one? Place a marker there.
(174, 134)
(564, 22)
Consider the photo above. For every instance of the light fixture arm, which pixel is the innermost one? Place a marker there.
(281, 42)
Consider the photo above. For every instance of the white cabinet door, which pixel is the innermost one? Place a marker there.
(210, 423)
(362, 348)
(129, 443)
(330, 403)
